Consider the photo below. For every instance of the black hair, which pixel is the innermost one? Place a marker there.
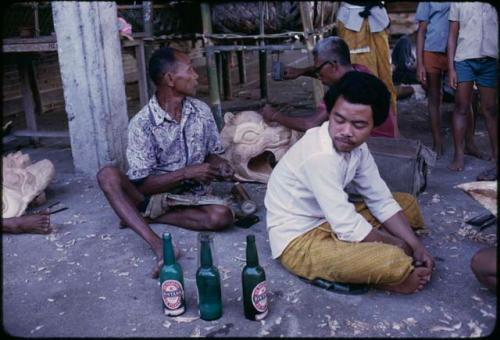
(162, 61)
(333, 48)
(361, 88)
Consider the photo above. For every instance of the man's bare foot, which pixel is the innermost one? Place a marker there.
(414, 282)
(472, 150)
(438, 149)
(31, 224)
(156, 271)
(457, 164)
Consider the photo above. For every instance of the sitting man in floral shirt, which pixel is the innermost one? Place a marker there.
(173, 147)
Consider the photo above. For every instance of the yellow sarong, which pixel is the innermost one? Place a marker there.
(320, 254)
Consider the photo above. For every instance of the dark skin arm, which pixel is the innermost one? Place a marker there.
(225, 169)
(452, 47)
(398, 226)
(204, 172)
(295, 72)
(421, 74)
(302, 123)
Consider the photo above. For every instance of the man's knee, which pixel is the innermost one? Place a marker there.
(219, 217)
(477, 263)
(108, 177)
(461, 110)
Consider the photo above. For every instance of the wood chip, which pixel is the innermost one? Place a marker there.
(180, 319)
(446, 329)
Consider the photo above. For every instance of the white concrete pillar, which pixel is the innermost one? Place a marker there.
(90, 58)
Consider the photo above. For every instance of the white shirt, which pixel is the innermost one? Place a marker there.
(306, 188)
(478, 32)
(348, 14)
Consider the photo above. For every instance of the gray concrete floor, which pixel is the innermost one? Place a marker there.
(91, 279)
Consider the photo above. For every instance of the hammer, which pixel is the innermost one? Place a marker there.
(247, 205)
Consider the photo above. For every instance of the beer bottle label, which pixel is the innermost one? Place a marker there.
(172, 294)
(259, 297)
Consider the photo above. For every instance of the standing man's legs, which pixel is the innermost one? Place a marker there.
(488, 99)
(434, 105)
(463, 96)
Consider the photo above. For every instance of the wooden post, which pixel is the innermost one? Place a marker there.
(218, 65)
(36, 19)
(226, 75)
(89, 50)
(262, 57)
(215, 104)
(147, 17)
(242, 72)
(29, 105)
(305, 14)
(142, 73)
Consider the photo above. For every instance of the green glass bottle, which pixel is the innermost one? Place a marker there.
(208, 283)
(171, 281)
(254, 283)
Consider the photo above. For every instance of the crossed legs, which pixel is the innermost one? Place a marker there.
(124, 197)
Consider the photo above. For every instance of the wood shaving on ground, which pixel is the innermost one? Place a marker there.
(446, 329)
(476, 330)
(180, 319)
(471, 233)
(333, 325)
(196, 333)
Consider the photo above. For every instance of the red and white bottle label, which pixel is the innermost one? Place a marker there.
(259, 297)
(172, 294)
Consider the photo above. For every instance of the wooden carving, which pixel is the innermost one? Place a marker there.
(252, 146)
(485, 192)
(22, 182)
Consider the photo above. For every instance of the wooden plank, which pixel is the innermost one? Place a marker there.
(401, 7)
(305, 14)
(31, 47)
(141, 72)
(28, 99)
(41, 133)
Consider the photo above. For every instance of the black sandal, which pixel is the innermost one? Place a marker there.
(340, 287)
(488, 175)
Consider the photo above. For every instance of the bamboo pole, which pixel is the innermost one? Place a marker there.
(211, 69)
(305, 13)
(262, 56)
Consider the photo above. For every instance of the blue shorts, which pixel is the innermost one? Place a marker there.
(482, 71)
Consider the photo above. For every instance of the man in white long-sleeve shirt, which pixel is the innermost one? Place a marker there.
(315, 231)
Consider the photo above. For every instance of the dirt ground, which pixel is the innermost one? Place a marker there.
(91, 279)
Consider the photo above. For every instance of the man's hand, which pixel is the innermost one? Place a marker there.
(420, 254)
(204, 172)
(226, 171)
(422, 75)
(268, 113)
(224, 168)
(291, 73)
(452, 78)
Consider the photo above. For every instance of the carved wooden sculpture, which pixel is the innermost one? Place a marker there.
(485, 192)
(252, 146)
(22, 182)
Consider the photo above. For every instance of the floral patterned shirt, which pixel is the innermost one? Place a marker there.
(157, 141)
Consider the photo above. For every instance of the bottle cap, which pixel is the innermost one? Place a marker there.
(251, 238)
(167, 236)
